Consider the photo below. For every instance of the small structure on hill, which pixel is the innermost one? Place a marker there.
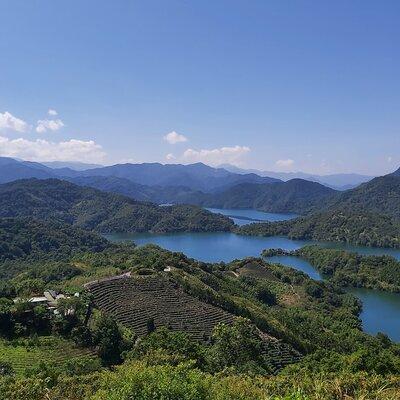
(49, 299)
(37, 300)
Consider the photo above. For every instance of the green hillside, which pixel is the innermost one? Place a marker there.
(380, 195)
(27, 237)
(337, 225)
(348, 269)
(92, 209)
(31, 354)
(216, 330)
(297, 196)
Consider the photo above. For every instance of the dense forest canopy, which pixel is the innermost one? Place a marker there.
(350, 226)
(380, 195)
(348, 269)
(30, 238)
(297, 196)
(103, 212)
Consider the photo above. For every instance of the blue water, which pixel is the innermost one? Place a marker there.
(212, 247)
(246, 216)
(381, 310)
(297, 263)
(227, 246)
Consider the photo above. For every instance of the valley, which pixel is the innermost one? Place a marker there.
(226, 247)
(144, 285)
(200, 200)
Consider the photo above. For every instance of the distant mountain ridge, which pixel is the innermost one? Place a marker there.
(11, 170)
(295, 196)
(335, 181)
(193, 176)
(201, 185)
(74, 165)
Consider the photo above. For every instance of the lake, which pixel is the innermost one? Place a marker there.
(381, 310)
(211, 247)
(245, 216)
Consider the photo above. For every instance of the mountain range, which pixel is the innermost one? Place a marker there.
(119, 198)
(335, 181)
(202, 185)
(193, 176)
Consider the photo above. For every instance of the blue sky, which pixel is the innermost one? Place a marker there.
(274, 85)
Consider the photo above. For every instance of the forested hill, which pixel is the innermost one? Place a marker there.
(367, 215)
(350, 226)
(380, 195)
(92, 209)
(297, 196)
(27, 237)
(154, 194)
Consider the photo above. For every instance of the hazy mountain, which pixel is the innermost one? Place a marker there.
(194, 176)
(11, 170)
(335, 181)
(74, 165)
(396, 173)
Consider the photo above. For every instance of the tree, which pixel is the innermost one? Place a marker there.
(6, 368)
(108, 340)
(237, 346)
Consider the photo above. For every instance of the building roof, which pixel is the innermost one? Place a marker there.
(39, 299)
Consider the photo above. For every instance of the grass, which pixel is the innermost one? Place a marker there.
(28, 353)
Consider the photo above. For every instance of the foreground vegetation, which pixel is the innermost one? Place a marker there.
(27, 356)
(144, 381)
(287, 336)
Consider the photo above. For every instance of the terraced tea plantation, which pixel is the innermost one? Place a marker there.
(144, 302)
(279, 354)
(140, 301)
(25, 354)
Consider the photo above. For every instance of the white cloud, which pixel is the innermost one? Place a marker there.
(231, 155)
(173, 138)
(285, 163)
(52, 112)
(9, 122)
(170, 157)
(390, 159)
(44, 125)
(43, 150)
